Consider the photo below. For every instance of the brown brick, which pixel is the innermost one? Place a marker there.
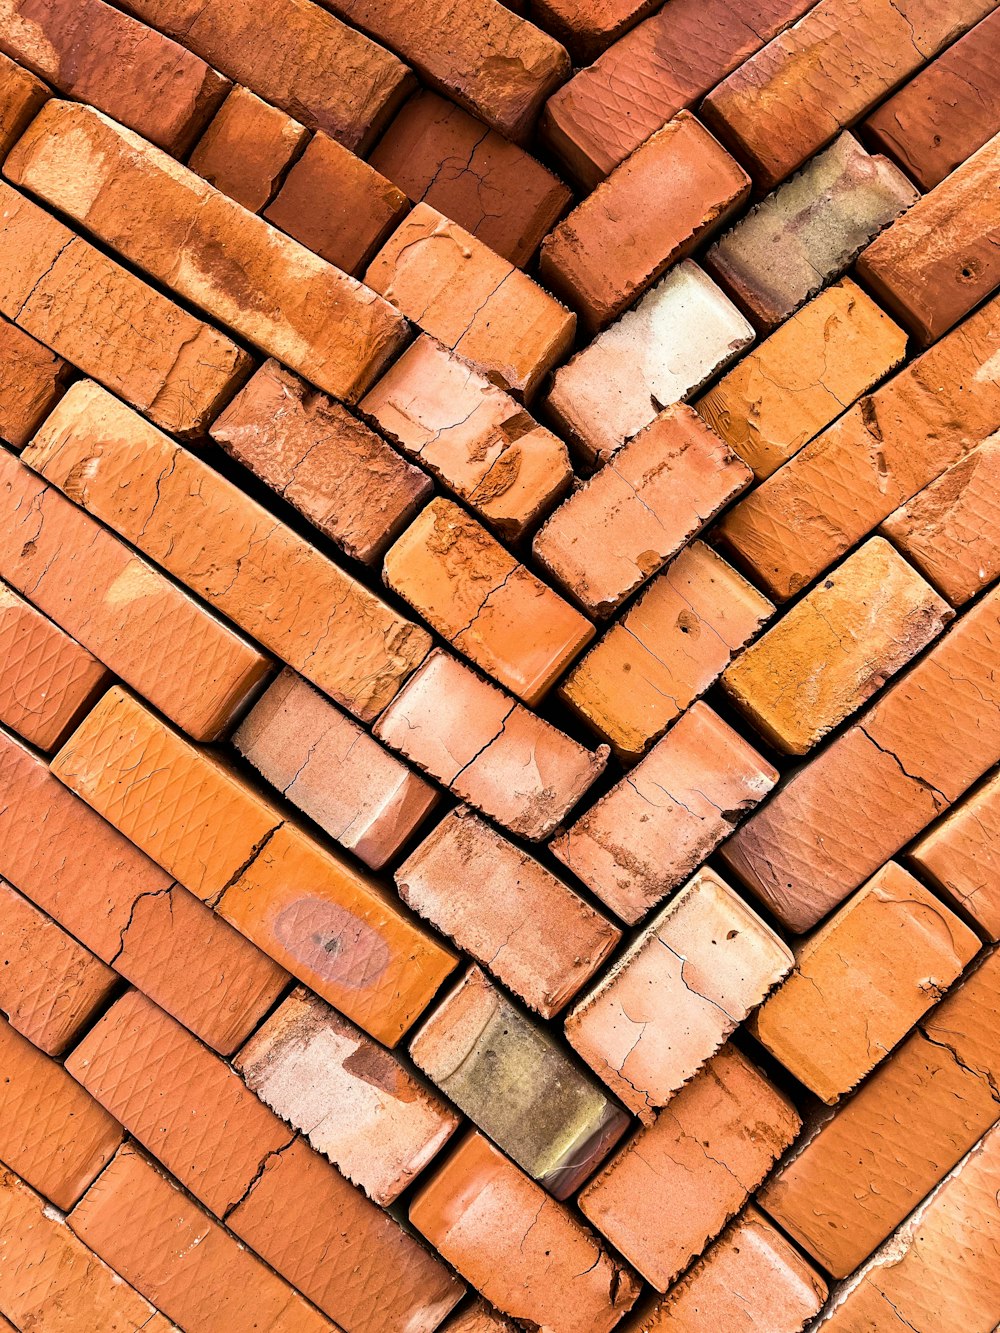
(247, 149)
(960, 855)
(31, 382)
(478, 1318)
(21, 94)
(586, 27)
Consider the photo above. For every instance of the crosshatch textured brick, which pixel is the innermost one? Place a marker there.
(499, 666)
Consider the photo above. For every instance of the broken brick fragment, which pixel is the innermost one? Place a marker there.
(247, 148)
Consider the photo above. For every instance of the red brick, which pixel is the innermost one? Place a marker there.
(21, 94)
(487, 748)
(960, 855)
(440, 155)
(587, 27)
(31, 382)
(653, 830)
(268, 288)
(479, 1318)
(247, 149)
(471, 300)
(676, 189)
(335, 471)
(47, 681)
(526, 1253)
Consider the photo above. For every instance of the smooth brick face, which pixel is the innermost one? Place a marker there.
(507, 910)
(356, 1103)
(789, 100)
(685, 983)
(31, 381)
(678, 336)
(486, 604)
(525, 1252)
(21, 94)
(937, 263)
(644, 504)
(674, 1186)
(947, 111)
(321, 459)
(913, 753)
(471, 435)
(189, 664)
(348, 642)
(653, 210)
(665, 651)
(586, 27)
(804, 375)
(247, 149)
(487, 748)
(808, 232)
(109, 323)
(50, 985)
(324, 763)
(961, 856)
(47, 680)
(279, 296)
(833, 650)
(438, 154)
(668, 62)
(880, 453)
(512, 1079)
(653, 830)
(238, 37)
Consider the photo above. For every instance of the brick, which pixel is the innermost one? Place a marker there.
(835, 64)
(751, 1276)
(156, 494)
(487, 748)
(479, 54)
(21, 94)
(31, 381)
(808, 231)
(835, 648)
(52, 1132)
(122, 907)
(357, 1103)
(675, 1184)
(812, 367)
(269, 289)
(478, 1318)
(886, 448)
(935, 264)
(440, 155)
(524, 1251)
(50, 985)
(912, 754)
(946, 111)
(593, 122)
(49, 1279)
(180, 1258)
(965, 1020)
(675, 190)
(651, 832)
(484, 602)
(861, 1169)
(109, 323)
(951, 529)
(620, 527)
(506, 910)
(335, 471)
(960, 855)
(679, 335)
(247, 148)
(476, 303)
(695, 972)
(188, 663)
(587, 27)
(284, 50)
(476, 439)
(665, 651)
(48, 681)
(337, 205)
(939, 1272)
(334, 928)
(325, 764)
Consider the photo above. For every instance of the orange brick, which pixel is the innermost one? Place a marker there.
(471, 300)
(342, 636)
(665, 651)
(484, 602)
(247, 149)
(31, 382)
(586, 27)
(479, 1318)
(50, 985)
(678, 992)
(526, 1253)
(21, 94)
(960, 855)
(270, 290)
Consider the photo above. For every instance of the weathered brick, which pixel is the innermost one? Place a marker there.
(960, 855)
(247, 149)
(21, 94)
(478, 1318)
(31, 381)
(586, 27)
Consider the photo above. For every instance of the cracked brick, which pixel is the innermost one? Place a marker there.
(246, 149)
